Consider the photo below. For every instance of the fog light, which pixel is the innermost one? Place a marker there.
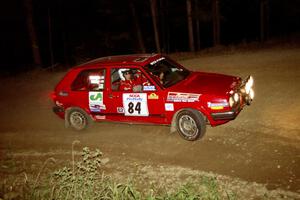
(231, 101)
(236, 97)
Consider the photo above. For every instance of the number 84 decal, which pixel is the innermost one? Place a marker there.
(132, 108)
(135, 104)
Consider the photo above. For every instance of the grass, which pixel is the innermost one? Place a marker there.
(85, 179)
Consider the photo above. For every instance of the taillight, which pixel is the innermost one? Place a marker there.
(63, 93)
(53, 95)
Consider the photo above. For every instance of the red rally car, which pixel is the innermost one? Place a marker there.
(149, 89)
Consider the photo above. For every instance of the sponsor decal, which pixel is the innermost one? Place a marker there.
(96, 101)
(100, 117)
(169, 106)
(135, 104)
(149, 88)
(182, 97)
(96, 97)
(120, 109)
(156, 61)
(153, 96)
(97, 108)
(217, 106)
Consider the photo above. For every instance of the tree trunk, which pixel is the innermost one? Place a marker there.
(264, 20)
(153, 5)
(164, 26)
(137, 28)
(197, 26)
(190, 25)
(50, 40)
(216, 22)
(31, 32)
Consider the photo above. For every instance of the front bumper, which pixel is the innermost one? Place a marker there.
(227, 115)
(239, 97)
(230, 115)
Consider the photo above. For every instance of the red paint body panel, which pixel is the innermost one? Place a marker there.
(156, 103)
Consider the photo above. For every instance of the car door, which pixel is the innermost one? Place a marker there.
(89, 92)
(143, 103)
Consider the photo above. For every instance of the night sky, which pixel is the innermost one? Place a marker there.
(77, 30)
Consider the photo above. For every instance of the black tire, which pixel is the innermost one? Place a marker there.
(190, 124)
(78, 119)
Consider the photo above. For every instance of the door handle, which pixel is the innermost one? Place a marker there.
(113, 96)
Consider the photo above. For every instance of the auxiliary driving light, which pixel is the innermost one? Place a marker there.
(251, 93)
(249, 84)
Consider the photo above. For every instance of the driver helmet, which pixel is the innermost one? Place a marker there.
(121, 73)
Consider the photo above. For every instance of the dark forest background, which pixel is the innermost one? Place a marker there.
(46, 32)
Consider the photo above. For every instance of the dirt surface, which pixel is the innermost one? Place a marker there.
(261, 145)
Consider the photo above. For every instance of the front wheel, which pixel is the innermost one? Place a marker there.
(78, 119)
(190, 124)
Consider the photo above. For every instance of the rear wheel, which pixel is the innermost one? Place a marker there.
(78, 119)
(190, 124)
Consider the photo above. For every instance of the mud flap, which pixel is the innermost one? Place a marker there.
(67, 123)
(173, 127)
(173, 124)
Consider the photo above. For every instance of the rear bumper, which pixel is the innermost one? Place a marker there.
(59, 111)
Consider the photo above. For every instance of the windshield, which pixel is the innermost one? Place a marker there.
(166, 72)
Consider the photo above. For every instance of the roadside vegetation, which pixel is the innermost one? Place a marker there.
(85, 176)
(85, 179)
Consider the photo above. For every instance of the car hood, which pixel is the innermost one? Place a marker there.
(207, 83)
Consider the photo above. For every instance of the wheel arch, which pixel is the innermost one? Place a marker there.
(173, 122)
(69, 109)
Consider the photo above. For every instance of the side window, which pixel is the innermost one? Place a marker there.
(115, 80)
(130, 80)
(92, 80)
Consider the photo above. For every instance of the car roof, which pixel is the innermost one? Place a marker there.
(132, 59)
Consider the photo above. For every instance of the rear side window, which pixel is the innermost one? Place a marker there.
(89, 80)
